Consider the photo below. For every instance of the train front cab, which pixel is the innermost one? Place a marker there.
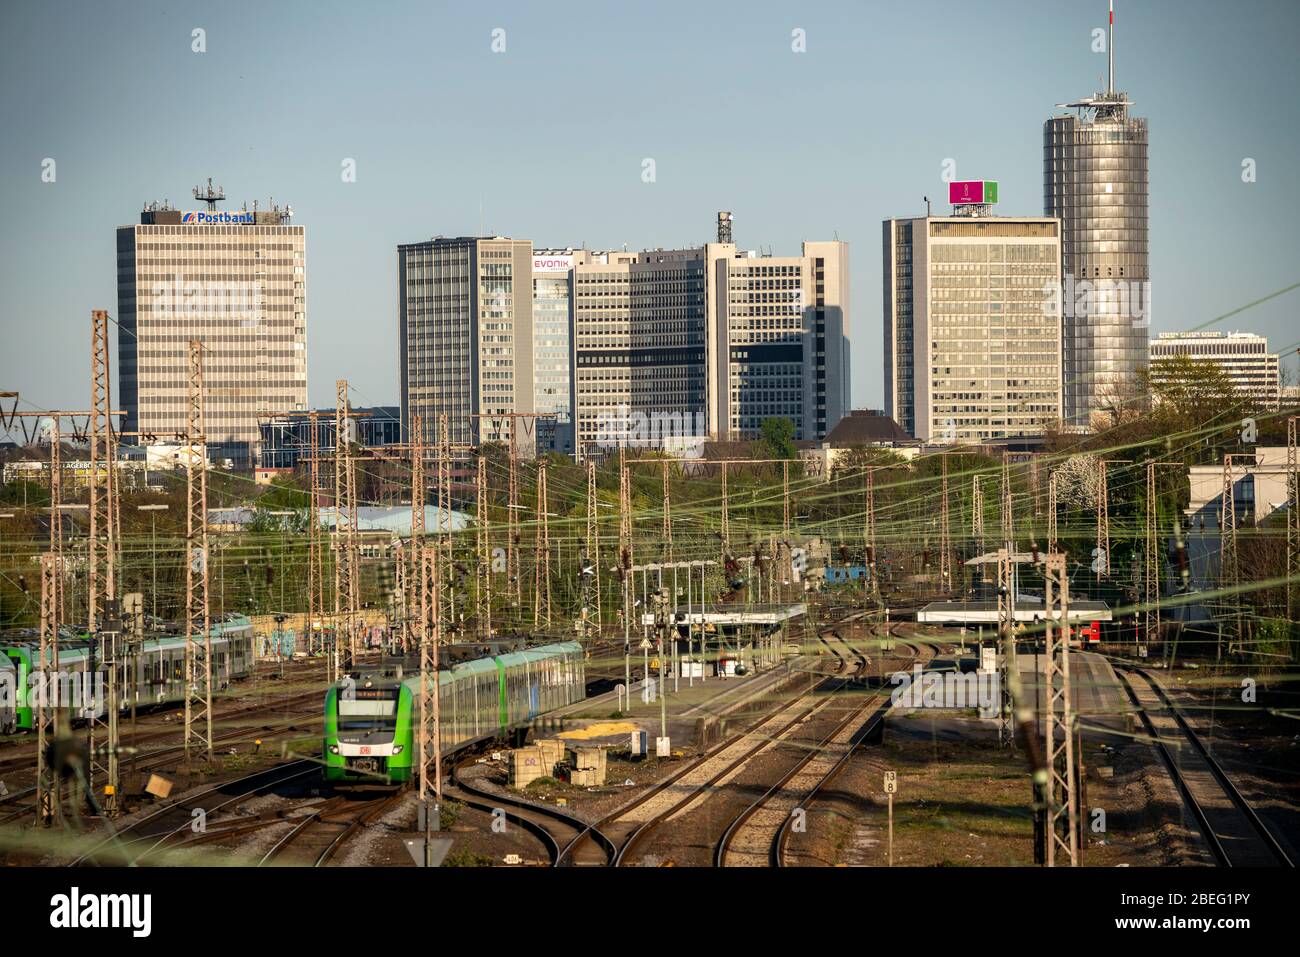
(367, 730)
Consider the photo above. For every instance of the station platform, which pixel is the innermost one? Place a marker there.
(695, 711)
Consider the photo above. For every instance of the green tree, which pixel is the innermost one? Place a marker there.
(777, 436)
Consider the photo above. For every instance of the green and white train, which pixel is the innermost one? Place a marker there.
(370, 718)
(153, 675)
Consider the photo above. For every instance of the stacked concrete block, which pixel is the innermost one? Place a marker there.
(526, 766)
(588, 767)
(552, 752)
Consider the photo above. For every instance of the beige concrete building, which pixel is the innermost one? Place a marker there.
(466, 328)
(1259, 488)
(780, 341)
(1243, 357)
(237, 281)
(972, 326)
(672, 346)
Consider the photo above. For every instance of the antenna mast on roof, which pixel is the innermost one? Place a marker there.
(211, 195)
(1110, 51)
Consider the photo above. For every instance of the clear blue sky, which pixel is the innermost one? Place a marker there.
(547, 139)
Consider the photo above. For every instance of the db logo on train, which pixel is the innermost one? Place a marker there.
(365, 749)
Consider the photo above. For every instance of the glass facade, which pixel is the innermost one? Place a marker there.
(458, 300)
(1095, 179)
(551, 343)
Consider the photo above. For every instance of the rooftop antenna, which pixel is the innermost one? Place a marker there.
(211, 195)
(927, 206)
(1110, 51)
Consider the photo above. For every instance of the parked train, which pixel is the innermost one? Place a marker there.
(371, 718)
(154, 675)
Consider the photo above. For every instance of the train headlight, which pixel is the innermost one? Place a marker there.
(334, 749)
(397, 748)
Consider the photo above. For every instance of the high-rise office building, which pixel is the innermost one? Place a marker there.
(465, 316)
(1095, 180)
(237, 282)
(552, 276)
(674, 346)
(660, 348)
(782, 343)
(1243, 356)
(638, 349)
(972, 326)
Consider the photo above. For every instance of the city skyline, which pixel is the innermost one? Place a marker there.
(410, 186)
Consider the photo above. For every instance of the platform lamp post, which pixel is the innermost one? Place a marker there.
(284, 515)
(279, 638)
(153, 511)
(4, 516)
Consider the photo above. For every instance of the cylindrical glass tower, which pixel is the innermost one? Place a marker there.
(1095, 180)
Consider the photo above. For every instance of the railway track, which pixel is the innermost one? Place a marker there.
(322, 831)
(145, 837)
(852, 661)
(631, 826)
(1230, 826)
(557, 830)
(757, 837)
(27, 757)
(155, 760)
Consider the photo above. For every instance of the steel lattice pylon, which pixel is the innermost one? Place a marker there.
(1103, 523)
(625, 529)
(1229, 564)
(514, 586)
(668, 511)
(483, 588)
(1292, 522)
(1052, 541)
(1008, 513)
(102, 543)
(1062, 810)
(945, 532)
(198, 647)
(49, 799)
(785, 499)
(542, 554)
(430, 629)
(444, 518)
(1151, 562)
(417, 521)
(869, 522)
(1007, 637)
(102, 562)
(345, 532)
(56, 508)
(591, 561)
(726, 517)
(315, 554)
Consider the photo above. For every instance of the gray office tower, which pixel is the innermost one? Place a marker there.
(1095, 181)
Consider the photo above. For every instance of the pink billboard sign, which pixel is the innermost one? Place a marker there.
(964, 192)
